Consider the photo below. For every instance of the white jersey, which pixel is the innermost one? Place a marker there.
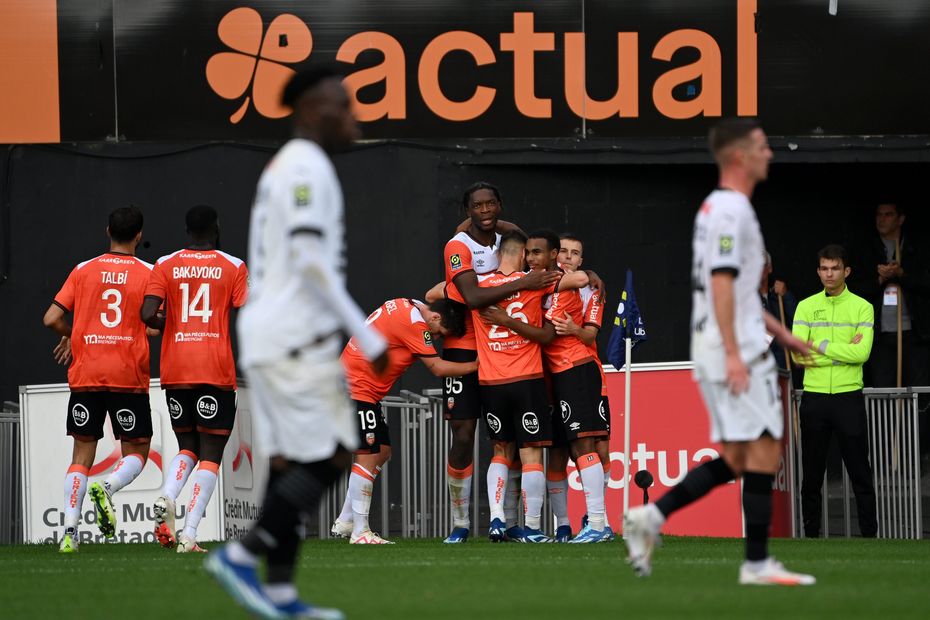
(298, 191)
(726, 237)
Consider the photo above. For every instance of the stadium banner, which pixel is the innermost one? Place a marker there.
(212, 70)
(670, 435)
(46, 455)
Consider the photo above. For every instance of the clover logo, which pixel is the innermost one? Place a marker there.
(257, 60)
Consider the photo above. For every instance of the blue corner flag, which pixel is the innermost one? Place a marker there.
(627, 324)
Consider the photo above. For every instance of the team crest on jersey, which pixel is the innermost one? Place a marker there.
(530, 423)
(726, 244)
(455, 262)
(427, 338)
(174, 409)
(302, 195)
(370, 439)
(600, 410)
(126, 419)
(566, 410)
(80, 414)
(450, 403)
(494, 423)
(207, 407)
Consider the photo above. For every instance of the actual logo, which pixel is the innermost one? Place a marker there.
(257, 60)
(80, 414)
(207, 407)
(494, 423)
(530, 423)
(566, 410)
(174, 409)
(126, 419)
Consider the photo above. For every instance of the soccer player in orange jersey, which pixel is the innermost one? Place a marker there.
(109, 374)
(571, 257)
(470, 253)
(410, 327)
(199, 286)
(513, 392)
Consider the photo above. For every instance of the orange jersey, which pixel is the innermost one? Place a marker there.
(594, 315)
(199, 287)
(565, 352)
(408, 337)
(108, 341)
(462, 254)
(505, 356)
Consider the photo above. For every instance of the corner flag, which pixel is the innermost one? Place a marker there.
(627, 324)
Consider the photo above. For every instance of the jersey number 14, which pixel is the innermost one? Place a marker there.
(199, 306)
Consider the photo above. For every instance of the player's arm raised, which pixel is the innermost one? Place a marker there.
(479, 297)
(444, 368)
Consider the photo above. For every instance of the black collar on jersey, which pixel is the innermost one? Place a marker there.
(119, 253)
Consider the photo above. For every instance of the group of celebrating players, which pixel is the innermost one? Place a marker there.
(519, 321)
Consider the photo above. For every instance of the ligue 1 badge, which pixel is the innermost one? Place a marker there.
(450, 403)
(370, 438)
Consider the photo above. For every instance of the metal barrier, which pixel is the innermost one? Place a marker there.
(894, 453)
(422, 449)
(11, 523)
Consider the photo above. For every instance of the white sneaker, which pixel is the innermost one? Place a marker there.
(186, 544)
(641, 534)
(341, 529)
(369, 538)
(773, 573)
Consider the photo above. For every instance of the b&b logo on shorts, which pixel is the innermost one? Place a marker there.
(455, 262)
(126, 419)
(207, 407)
(79, 414)
(566, 410)
(530, 423)
(174, 409)
(494, 423)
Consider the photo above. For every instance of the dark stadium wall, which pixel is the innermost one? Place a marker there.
(402, 204)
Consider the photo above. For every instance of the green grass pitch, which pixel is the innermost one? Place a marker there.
(692, 578)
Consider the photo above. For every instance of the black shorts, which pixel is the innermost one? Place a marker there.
(604, 411)
(461, 396)
(205, 408)
(577, 396)
(372, 427)
(130, 414)
(518, 412)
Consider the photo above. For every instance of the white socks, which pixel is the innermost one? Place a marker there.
(534, 488)
(126, 470)
(75, 488)
(361, 486)
(460, 481)
(204, 483)
(592, 479)
(497, 486)
(177, 473)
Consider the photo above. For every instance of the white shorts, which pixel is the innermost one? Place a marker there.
(301, 408)
(747, 416)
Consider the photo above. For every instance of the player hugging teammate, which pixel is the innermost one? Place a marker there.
(508, 335)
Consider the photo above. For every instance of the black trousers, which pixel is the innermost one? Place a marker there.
(822, 415)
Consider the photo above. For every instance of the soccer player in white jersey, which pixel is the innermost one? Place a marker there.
(733, 367)
(290, 340)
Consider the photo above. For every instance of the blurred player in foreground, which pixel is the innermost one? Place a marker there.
(290, 334)
(199, 286)
(109, 374)
(733, 366)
